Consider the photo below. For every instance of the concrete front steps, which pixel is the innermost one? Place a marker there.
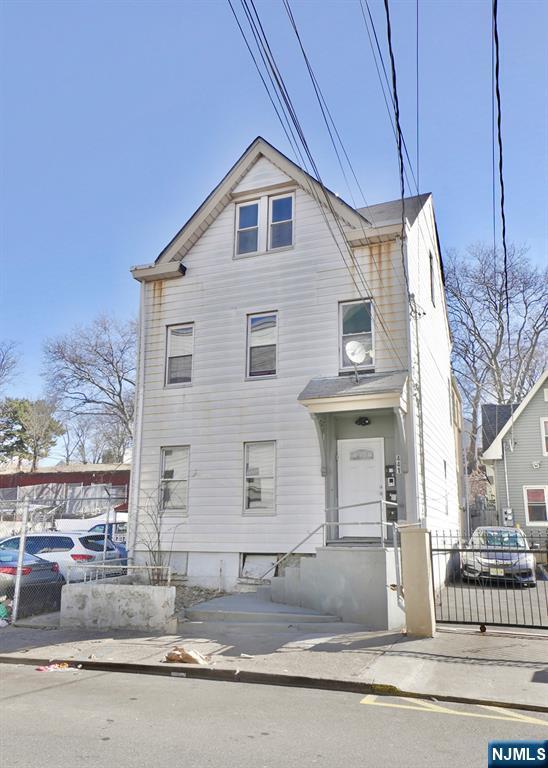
(256, 607)
(357, 584)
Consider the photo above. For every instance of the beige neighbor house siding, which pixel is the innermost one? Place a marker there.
(221, 410)
(434, 346)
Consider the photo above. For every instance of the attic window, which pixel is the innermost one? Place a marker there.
(281, 222)
(247, 237)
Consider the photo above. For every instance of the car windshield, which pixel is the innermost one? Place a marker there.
(503, 539)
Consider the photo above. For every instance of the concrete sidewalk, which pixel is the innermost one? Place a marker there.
(458, 664)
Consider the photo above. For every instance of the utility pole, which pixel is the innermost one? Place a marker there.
(20, 561)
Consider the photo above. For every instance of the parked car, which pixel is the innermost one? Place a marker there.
(499, 554)
(41, 582)
(117, 534)
(67, 549)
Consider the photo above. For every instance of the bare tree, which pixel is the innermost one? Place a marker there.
(8, 361)
(494, 361)
(40, 428)
(92, 372)
(156, 532)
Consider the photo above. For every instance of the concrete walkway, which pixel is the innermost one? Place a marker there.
(504, 668)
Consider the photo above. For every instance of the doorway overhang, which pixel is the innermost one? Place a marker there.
(343, 393)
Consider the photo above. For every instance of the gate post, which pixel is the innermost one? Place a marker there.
(420, 614)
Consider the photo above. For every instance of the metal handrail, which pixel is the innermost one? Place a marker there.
(90, 568)
(324, 525)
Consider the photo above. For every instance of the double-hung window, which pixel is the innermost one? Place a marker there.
(174, 478)
(262, 343)
(536, 504)
(280, 222)
(180, 342)
(259, 477)
(247, 228)
(356, 325)
(544, 435)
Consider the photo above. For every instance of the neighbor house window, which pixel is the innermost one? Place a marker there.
(536, 504)
(262, 342)
(432, 280)
(174, 478)
(356, 325)
(260, 461)
(180, 342)
(247, 228)
(281, 221)
(544, 436)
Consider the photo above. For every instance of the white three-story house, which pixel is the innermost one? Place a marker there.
(294, 370)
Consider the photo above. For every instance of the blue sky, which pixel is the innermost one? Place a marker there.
(120, 117)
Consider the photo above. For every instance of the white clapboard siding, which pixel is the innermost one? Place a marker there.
(435, 346)
(220, 410)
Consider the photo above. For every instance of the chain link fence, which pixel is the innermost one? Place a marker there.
(51, 533)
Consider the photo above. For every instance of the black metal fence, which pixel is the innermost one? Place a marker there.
(499, 577)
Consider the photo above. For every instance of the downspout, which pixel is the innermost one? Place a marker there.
(505, 475)
(412, 432)
(133, 507)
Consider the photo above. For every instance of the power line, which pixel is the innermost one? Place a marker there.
(398, 138)
(502, 209)
(270, 63)
(326, 113)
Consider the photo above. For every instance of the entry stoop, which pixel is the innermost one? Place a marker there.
(256, 608)
(357, 584)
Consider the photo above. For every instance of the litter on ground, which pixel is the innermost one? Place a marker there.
(180, 655)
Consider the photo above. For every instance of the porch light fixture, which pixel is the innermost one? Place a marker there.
(362, 421)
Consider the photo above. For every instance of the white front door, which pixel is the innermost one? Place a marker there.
(360, 464)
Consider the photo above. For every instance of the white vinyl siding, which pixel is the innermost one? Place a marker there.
(356, 324)
(280, 217)
(536, 504)
(221, 409)
(260, 477)
(174, 478)
(262, 344)
(180, 346)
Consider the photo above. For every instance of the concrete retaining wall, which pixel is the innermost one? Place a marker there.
(118, 606)
(353, 583)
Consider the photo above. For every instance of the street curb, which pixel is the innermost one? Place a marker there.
(198, 672)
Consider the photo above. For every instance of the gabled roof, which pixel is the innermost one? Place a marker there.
(212, 206)
(383, 214)
(493, 418)
(495, 449)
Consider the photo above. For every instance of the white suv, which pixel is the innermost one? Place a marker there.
(67, 549)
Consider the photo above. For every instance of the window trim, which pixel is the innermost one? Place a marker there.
(544, 434)
(529, 523)
(248, 375)
(175, 384)
(432, 279)
(238, 229)
(172, 511)
(271, 199)
(255, 512)
(350, 368)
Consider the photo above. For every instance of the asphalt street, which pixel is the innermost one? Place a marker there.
(79, 718)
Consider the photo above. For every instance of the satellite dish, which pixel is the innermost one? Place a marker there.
(356, 352)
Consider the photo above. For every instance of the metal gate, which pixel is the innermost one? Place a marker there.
(499, 577)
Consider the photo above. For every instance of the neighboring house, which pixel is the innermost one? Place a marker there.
(251, 429)
(515, 452)
(68, 491)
